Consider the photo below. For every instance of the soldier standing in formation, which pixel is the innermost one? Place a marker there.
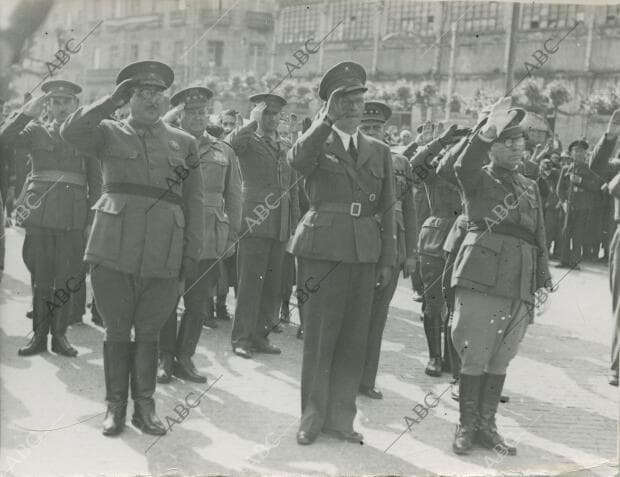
(373, 125)
(221, 176)
(62, 185)
(494, 283)
(345, 247)
(147, 233)
(270, 212)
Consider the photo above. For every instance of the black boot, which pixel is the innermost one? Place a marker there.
(58, 328)
(285, 312)
(487, 436)
(143, 374)
(184, 369)
(164, 369)
(221, 311)
(36, 345)
(116, 364)
(209, 320)
(189, 335)
(433, 339)
(469, 396)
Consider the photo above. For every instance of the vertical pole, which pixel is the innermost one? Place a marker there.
(450, 91)
(509, 56)
(377, 37)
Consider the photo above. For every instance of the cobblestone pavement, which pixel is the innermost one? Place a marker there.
(562, 413)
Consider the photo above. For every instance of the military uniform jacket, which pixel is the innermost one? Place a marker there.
(133, 232)
(443, 195)
(63, 182)
(490, 262)
(222, 198)
(600, 165)
(270, 201)
(580, 195)
(406, 226)
(328, 231)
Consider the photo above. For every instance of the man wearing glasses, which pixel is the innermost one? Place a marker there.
(147, 233)
(63, 183)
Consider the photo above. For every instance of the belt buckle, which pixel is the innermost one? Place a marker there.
(356, 209)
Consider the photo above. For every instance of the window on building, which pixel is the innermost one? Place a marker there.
(257, 54)
(134, 52)
(358, 20)
(114, 60)
(155, 52)
(475, 16)
(298, 23)
(535, 16)
(410, 18)
(613, 15)
(215, 52)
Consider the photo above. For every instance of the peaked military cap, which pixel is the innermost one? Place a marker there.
(148, 73)
(348, 75)
(61, 88)
(274, 102)
(376, 111)
(193, 97)
(578, 142)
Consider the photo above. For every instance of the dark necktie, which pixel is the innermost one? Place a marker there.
(352, 150)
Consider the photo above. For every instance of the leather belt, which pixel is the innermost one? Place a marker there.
(64, 177)
(512, 230)
(354, 209)
(142, 191)
(213, 199)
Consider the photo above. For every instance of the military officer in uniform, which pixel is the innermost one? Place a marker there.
(147, 234)
(345, 247)
(221, 175)
(270, 212)
(62, 184)
(373, 124)
(500, 265)
(576, 187)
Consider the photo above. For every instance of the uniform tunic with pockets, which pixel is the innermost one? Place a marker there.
(54, 211)
(337, 254)
(139, 239)
(496, 274)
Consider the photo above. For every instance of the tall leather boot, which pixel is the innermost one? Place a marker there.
(468, 407)
(38, 342)
(455, 364)
(433, 339)
(167, 339)
(487, 436)
(143, 374)
(209, 319)
(58, 328)
(221, 310)
(117, 358)
(189, 335)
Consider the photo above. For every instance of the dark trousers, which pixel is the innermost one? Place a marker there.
(127, 301)
(336, 322)
(54, 259)
(196, 295)
(288, 277)
(432, 271)
(614, 275)
(228, 276)
(378, 318)
(259, 274)
(573, 235)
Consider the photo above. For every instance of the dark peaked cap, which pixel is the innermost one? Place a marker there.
(578, 142)
(273, 101)
(347, 74)
(148, 73)
(376, 111)
(61, 88)
(193, 97)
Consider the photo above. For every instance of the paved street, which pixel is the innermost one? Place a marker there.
(562, 413)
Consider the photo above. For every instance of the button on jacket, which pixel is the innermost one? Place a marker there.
(222, 198)
(137, 234)
(269, 184)
(63, 182)
(493, 263)
(320, 157)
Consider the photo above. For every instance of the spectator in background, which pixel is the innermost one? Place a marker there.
(405, 137)
(228, 120)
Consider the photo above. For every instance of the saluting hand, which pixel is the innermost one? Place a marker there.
(122, 93)
(34, 108)
(336, 106)
(499, 118)
(257, 113)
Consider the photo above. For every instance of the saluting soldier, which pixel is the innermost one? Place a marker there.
(500, 265)
(221, 204)
(375, 116)
(270, 212)
(576, 187)
(54, 211)
(345, 247)
(147, 233)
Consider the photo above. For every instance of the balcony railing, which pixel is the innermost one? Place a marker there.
(135, 22)
(259, 20)
(214, 17)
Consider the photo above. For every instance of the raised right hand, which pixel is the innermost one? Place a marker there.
(34, 108)
(122, 93)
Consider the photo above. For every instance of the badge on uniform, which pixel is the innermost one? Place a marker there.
(331, 157)
(174, 145)
(372, 197)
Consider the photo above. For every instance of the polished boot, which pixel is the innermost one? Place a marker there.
(187, 341)
(36, 345)
(184, 368)
(221, 311)
(209, 320)
(58, 328)
(433, 339)
(487, 436)
(116, 365)
(164, 370)
(143, 375)
(469, 398)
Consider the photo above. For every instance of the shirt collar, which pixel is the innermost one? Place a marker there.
(346, 138)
